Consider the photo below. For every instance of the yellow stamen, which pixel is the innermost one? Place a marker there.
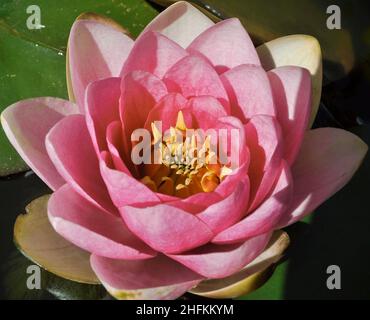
(180, 123)
(166, 186)
(163, 171)
(149, 183)
(182, 191)
(209, 182)
(225, 171)
(157, 135)
(186, 167)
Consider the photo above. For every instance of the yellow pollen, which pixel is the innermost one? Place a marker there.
(187, 165)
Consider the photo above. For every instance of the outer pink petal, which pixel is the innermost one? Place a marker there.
(264, 139)
(122, 187)
(166, 228)
(327, 161)
(249, 92)
(102, 107)
(194, 76)
(70, 148)
(141, 91)
(157, 278)
(226, 44)
(96, 51)
(91, 229)
(153, 53)
(219, 261)
(181, 22)
(228, 211)
(26, 124)
(266, 216)
(292, 93)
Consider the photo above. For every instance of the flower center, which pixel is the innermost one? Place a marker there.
(185, 163)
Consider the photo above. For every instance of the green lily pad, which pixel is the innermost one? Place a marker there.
(18, 191)
(33, 61)
(28, 70)
(37, 240)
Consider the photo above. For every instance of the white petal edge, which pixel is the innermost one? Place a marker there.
(181, 22)
(92, 30)
(296, 50)
(26, 124)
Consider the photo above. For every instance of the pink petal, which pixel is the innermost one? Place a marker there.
(219, 261)
(206, 109)
(226, 44)
(102, 107)
(199, 202)
(70, 148)
(236, 148)
(249, 92)
(264, 140)
(26, 124)
(141, 91)
(266, 216)
(153, 53)
(181, 22)
(115, 144)
(229, 183)
(194, 76)
(166, 111)
(328, 159)
(228, 211)
(157, 278)
(96, 51)
(92, 229)
(166, 228)
(122, 187)
(292, 93)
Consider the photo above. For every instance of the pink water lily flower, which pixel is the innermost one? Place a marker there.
(154, 233)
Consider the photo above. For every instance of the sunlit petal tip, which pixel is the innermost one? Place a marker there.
(97, 48)
(93, 17)
(181, 22)
(26, 124)
(297, 50)
(104, 20)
